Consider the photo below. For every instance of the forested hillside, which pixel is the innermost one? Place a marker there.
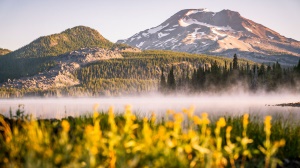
(136, 73)
(56, 44)
(31, 58)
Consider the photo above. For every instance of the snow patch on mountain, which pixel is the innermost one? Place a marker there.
(132, 39)
(160, 34)
(140, 45)
(214, 30)
(145, 34)
(157, 29)
(196, 11)
(170, 29)
(248, 29)
(187, 22)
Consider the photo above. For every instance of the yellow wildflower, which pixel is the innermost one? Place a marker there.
(282, 142)
(113, 159)
(65, 125)
(188, 149)
(228, 130)
(204, 115)
(221, 123)
(245, 120)
(94, 150)
(268, 125)
(197, 120)
(205, 119)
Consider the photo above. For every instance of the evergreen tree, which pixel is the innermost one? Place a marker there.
(201, 77)
(297, 68)
(262, 70)
(235, 62)
(230, 67)
(171, 80)
(163, 83)
(254, 78)
(194, 79)
(247, 67)
(225, 68)
(262, 74)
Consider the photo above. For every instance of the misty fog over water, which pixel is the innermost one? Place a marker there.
(215, 105)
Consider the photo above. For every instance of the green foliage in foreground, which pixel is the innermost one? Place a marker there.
(125, 140)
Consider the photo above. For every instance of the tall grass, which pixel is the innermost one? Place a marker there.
(180, 139)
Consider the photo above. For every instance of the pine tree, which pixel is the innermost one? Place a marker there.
(163, 83)
(225, 67)
(171, 80)
(297, 68)
(254, 78)
(201, 77)
(235, 62)
(247, 67)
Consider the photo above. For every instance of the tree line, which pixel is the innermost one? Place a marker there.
(230, 76)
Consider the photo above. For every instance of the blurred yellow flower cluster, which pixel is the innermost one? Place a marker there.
(181, 139)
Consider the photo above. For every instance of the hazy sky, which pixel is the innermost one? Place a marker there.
(22, 21)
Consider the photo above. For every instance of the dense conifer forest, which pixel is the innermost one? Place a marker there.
(170, 72)
(231, 76)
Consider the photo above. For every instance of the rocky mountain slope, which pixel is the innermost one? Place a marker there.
(30, 59)
(4, 51)
(221, 33)
(60, 74)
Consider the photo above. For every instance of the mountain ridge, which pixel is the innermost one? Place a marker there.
(60, 43)
(218, 33)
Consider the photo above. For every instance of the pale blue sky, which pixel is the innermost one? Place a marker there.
(22, 21)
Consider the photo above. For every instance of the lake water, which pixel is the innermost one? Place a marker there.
(215, 105)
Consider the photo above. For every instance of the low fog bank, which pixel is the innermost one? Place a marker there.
(214, 104)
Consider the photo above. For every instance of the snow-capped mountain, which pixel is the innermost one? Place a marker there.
(221, 33)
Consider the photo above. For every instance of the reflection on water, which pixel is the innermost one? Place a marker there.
(213, 104)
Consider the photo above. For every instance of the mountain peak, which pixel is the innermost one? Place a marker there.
(81, 29)
(222, 33)
(68, 40)
(194, 11)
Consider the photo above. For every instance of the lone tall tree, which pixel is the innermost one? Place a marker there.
(171, 80)
(235, 62)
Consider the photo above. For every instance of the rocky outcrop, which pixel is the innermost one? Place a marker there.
(61, 75)
(4, 51)
(128, 49)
